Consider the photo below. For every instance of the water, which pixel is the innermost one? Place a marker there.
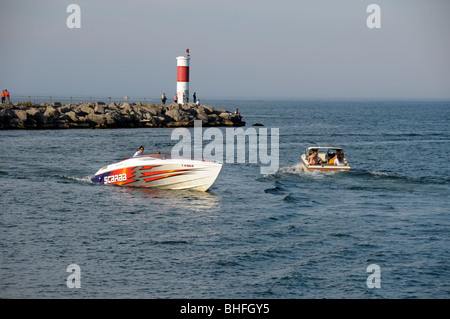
(285, 235)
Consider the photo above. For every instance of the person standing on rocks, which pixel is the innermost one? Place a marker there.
(163, 99)
(195, 97)
(175, 98)
(3, 94)
(237, 114)
(7, 95)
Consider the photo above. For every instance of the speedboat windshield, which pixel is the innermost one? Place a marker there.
(330, 151)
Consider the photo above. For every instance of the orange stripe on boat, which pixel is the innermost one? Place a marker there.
(161, 177)
(149, 167)
(163, 172)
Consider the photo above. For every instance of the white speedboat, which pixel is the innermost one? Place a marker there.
(325, 159)
(160, 171)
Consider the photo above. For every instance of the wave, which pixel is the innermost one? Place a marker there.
(277, 190)
(290, 198)
(383, 176)
(375, 175)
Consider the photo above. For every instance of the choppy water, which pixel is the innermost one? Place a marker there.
(285, 235)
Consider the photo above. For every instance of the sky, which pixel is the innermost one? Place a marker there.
(257, 49)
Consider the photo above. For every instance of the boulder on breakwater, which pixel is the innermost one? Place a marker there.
(115, 115)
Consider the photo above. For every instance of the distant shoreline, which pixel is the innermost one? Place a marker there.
(27, 115)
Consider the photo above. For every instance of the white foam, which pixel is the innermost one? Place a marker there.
(85, 179)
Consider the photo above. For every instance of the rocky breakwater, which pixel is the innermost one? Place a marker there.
(114, 115)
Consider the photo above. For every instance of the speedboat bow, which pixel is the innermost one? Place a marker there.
(160, 171)
(325, 159)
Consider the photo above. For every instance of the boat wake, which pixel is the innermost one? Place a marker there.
(292, 178)
(85, 179)
(296, 171)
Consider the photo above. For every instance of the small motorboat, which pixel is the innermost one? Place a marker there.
(325, 159)
(160, 171)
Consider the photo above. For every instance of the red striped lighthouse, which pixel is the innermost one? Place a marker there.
(183, 78)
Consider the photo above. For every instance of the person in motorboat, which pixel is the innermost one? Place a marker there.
(140, 152)
(338, 160)
(314, 159)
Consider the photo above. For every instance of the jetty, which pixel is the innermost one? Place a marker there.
(26, 115)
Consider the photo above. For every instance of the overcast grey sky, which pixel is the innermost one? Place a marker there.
(244, 48)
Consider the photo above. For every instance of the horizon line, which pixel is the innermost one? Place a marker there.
(222, 98)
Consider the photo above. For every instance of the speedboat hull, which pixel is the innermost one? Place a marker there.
(325, 155)
(323, 167)
(160, 172)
